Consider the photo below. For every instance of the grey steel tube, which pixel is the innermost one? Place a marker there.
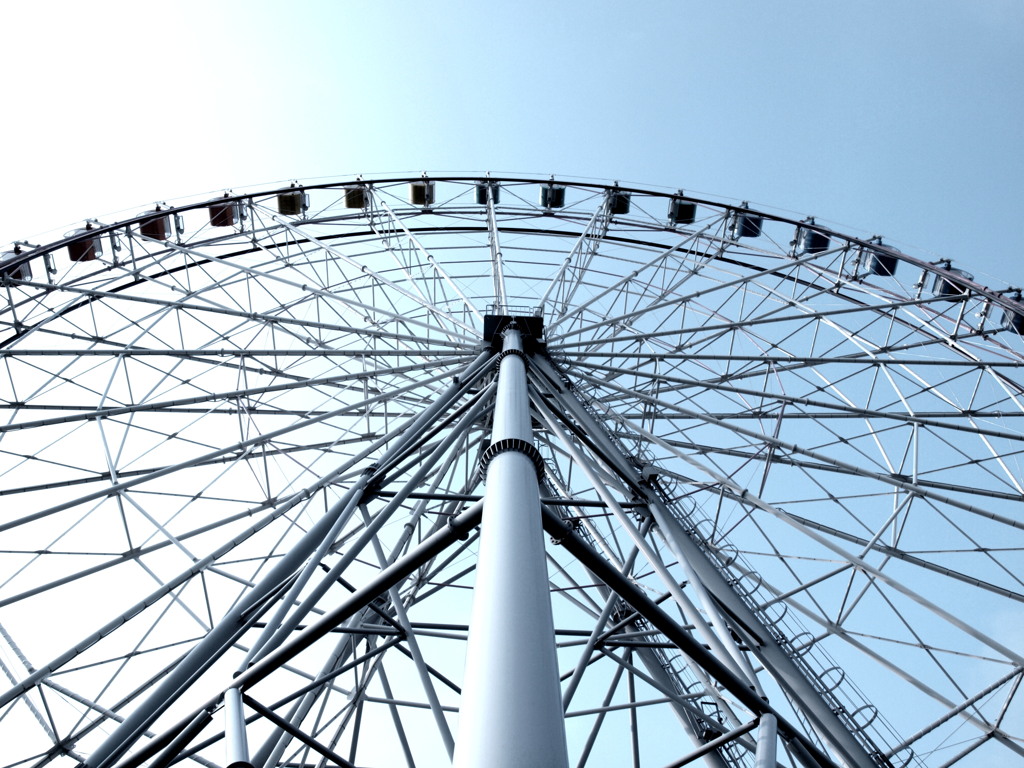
(236, 744)
(511, 711)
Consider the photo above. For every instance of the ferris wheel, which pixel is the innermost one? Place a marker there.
(409, 471)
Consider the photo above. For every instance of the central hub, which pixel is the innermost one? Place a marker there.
(530, 325)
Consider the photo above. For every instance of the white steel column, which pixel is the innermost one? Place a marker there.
(511, 712)
(234, 730)
(767, 731)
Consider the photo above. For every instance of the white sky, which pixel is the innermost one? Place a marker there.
(896, 117)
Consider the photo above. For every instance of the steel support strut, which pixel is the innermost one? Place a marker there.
(511, 711)
(707, 581)
(813, 757)
(224, 634)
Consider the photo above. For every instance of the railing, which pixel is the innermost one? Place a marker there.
(857, 714)
(513, 310)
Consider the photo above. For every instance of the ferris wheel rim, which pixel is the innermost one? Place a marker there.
(1009, 298)
(600, 384)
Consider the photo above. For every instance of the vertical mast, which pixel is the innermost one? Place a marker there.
(511, 713)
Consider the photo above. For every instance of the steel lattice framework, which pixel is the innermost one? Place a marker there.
(684, 480)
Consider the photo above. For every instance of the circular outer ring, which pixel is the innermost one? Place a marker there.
(834, 426)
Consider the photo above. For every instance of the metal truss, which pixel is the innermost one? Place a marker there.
(516, 471)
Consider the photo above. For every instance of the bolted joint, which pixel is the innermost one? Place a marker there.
(507, 352)
(511, 444)
(373, 483)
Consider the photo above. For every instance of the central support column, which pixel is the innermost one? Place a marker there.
(511, 713)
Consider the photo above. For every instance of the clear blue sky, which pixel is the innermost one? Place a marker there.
(903, 118)
(897, 117)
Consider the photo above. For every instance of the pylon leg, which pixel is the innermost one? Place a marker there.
(511, 712)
